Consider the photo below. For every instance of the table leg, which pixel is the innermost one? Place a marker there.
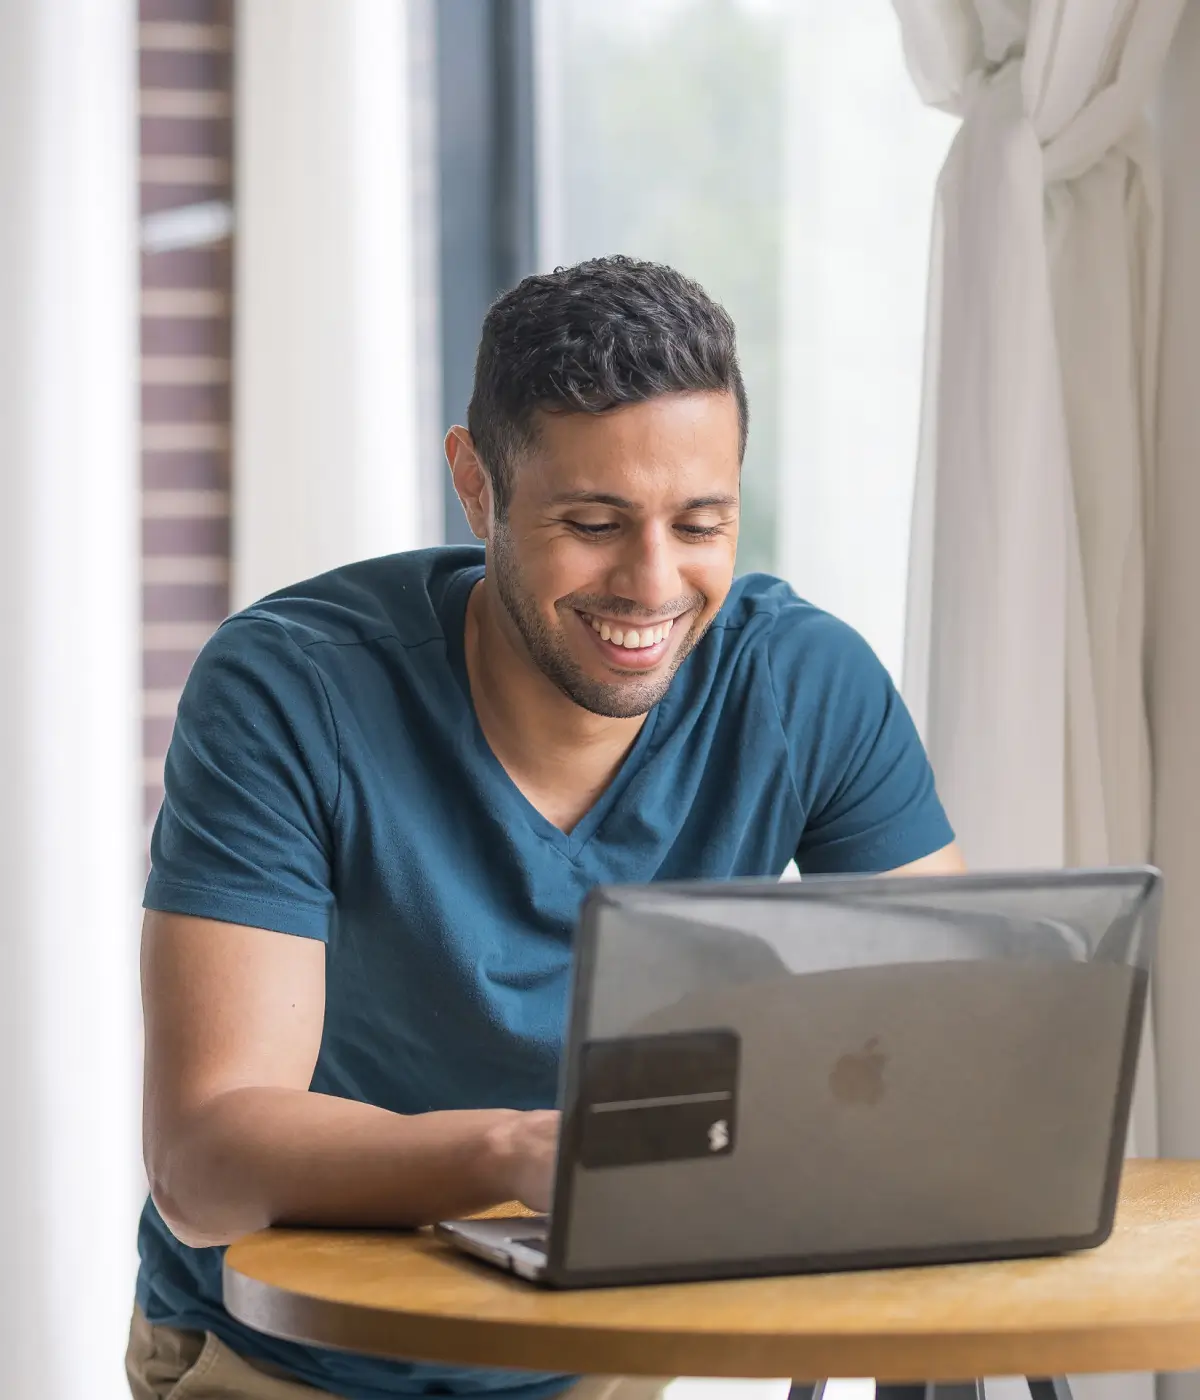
(1049, 1388)
(1040, 1388)
(930, 1390)
(923, 1390)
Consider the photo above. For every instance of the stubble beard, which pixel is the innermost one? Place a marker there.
(550, 653)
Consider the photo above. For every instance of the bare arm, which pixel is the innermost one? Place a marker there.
(234, 1140)
(947, 861)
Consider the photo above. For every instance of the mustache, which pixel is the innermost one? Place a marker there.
(628, 611)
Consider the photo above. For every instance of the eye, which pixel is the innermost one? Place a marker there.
(591, 532)
(700, 532)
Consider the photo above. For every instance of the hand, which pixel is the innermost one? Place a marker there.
(526, 1145)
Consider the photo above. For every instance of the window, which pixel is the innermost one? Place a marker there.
(776, 151)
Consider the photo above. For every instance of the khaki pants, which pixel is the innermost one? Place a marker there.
(163, 1363)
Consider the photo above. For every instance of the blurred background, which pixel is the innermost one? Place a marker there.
(245, 251)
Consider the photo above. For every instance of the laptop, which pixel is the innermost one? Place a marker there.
(840, 1073)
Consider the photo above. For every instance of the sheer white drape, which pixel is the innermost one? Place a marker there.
(1026, 614)
(326, 425)
(70, 836)
(1026, 629)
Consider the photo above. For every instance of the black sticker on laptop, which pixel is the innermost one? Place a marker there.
(657, 1098)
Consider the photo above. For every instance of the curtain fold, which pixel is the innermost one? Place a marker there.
(1025, 659)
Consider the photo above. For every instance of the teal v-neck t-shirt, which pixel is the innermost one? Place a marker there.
(327, 778)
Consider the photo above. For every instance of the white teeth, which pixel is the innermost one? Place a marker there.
(632, 640)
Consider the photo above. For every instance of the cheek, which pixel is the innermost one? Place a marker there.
(712, 575)
(560, 569)
(569, 566)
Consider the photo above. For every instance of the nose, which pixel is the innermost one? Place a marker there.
(647, 571)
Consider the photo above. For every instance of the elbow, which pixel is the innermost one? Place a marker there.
(191, 1215)
(202, 1185)
(190, 1227)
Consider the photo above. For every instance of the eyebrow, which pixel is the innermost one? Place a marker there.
(602, 498)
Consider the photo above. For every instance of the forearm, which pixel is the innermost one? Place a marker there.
(264, 1156)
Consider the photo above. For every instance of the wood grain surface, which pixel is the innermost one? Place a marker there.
(1131, 1305)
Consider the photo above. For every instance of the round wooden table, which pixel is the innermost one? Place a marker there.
(1131, 1305)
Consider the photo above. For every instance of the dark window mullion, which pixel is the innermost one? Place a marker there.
(487, 201)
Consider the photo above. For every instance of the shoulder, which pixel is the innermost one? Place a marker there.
(799, 641)
(398, 597)
(290, 649)
(835, 699)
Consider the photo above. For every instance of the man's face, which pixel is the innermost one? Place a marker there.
(618, 546)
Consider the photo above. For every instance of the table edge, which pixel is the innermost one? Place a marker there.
(604, 1350)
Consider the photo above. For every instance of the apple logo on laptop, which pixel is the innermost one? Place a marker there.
(858, 1077)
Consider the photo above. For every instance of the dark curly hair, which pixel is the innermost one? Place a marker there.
(588, 338)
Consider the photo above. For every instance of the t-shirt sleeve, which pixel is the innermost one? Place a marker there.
(251, 779)
(862, 777)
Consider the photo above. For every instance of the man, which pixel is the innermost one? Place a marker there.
(390, 787)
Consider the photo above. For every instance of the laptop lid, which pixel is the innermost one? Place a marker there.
(845, 1072)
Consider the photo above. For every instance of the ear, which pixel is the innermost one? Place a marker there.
(472, 484)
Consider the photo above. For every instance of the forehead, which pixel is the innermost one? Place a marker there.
(676, 445)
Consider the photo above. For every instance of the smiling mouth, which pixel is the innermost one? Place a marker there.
(627, 649)
(627, 637)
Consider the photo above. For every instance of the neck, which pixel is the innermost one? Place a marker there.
(559, 755)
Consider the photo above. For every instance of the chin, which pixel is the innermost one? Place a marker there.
(620, 697)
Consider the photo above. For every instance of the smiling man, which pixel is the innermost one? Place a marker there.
(390, 787)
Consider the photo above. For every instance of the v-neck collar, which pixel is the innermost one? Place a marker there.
(571, 844)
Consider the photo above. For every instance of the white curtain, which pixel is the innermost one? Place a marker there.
(326, 420)
(1025, 659)
(70, 836)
